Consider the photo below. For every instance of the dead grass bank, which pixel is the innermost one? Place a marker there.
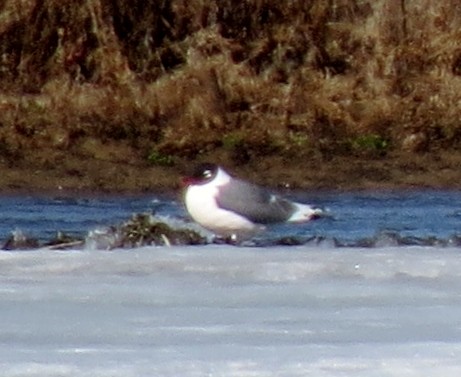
(168, 81)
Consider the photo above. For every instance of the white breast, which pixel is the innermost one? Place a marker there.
(200, 201)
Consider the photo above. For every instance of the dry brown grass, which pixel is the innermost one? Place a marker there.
(190, 78)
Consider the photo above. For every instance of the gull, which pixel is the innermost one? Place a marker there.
(231, 207)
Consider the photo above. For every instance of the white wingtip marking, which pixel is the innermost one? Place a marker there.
(305, 213)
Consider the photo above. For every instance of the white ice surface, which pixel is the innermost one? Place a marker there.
(228, 311)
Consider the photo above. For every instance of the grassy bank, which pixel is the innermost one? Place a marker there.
(163, 82)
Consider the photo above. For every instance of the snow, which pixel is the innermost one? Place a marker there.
(231, 311)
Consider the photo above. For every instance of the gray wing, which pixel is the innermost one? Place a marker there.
(254, 202)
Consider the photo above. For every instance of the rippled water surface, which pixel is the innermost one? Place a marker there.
(357, 218)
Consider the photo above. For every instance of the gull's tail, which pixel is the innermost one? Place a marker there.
(304, 213)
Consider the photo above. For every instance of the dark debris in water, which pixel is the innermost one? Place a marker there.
(386, 239)
(63, 241)
(145, 229)
(141, 230)
(19, 241)
(381, 239)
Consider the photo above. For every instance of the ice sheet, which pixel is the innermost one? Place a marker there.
(231, 311)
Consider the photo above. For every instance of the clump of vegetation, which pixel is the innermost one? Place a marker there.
(173, 78)
(144, 229)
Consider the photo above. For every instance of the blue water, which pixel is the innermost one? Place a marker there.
(43, 216)
(410, 216)
(419, 214)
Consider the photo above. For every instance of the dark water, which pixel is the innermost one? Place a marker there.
(391, 217)
(357, 218)
(42, 216)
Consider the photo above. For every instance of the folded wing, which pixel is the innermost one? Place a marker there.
(254, 203)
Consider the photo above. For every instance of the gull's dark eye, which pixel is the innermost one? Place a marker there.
(207, 174)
